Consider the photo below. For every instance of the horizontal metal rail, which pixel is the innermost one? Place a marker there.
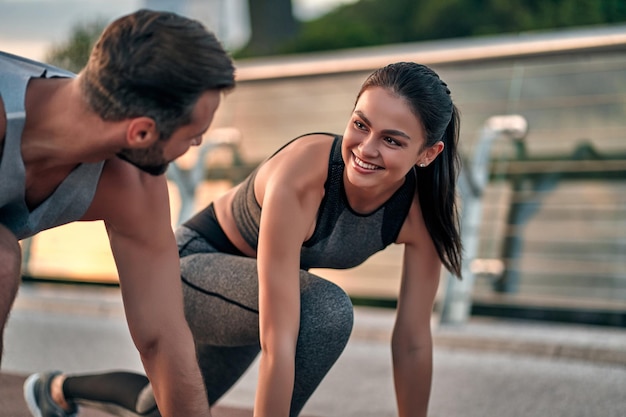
(581, 168)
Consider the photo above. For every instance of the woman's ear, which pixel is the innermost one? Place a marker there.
(429, 155)
(141, 133)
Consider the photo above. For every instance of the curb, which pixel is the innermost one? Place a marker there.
(548, 340)
(543, 349)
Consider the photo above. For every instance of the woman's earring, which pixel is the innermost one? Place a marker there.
(422, 165)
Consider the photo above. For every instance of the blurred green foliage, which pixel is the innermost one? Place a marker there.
(378, 22)
(73, 54)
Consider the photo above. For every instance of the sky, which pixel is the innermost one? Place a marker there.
(30, 27)
(307, 9)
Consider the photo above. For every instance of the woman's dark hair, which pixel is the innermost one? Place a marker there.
(429, 99)
(154, 64)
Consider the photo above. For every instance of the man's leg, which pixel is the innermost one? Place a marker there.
(123, 394)
(10, 264)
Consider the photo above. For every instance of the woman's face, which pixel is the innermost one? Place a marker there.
(383, 140)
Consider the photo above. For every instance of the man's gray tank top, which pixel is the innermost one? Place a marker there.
(342, 238)
(72, 197)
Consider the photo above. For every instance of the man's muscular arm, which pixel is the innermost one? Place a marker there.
(135, 208)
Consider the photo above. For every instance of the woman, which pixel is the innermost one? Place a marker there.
(321, 201)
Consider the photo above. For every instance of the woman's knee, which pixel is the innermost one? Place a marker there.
(340, 310)
(328, 310)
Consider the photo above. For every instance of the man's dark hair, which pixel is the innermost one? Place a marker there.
(154, 64)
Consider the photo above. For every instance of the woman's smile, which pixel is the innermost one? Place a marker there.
(365, 165)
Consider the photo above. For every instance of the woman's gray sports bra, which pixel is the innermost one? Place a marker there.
(342, 237)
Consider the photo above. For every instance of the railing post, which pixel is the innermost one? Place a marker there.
(187, 180)
(473, 179)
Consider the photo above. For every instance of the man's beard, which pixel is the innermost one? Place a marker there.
(149, 160)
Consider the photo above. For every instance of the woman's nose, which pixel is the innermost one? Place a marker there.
(368, 146)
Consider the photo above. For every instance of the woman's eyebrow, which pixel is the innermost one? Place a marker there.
(392, 132)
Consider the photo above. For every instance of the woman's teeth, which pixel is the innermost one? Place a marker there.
(364, 164)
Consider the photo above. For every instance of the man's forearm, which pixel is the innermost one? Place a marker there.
(176, 381)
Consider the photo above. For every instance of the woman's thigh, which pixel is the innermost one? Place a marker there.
(221, 298)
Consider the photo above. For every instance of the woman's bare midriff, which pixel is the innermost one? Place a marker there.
(225, 218)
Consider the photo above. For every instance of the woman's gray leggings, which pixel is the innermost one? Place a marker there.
(221, 306)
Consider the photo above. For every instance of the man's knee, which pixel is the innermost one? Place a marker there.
(10, 264)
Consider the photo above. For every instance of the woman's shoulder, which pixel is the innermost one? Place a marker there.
(309, 135)
(301, 164)
(414, 228)
(305, 148)
(311, 141)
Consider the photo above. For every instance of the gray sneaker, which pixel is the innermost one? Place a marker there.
(38, 399)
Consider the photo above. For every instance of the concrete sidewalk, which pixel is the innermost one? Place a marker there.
(487, 367)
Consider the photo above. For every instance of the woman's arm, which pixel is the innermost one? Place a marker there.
(412, 340)
(290, 188)
(279, 303)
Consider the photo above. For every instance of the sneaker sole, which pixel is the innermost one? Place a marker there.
(29, 395)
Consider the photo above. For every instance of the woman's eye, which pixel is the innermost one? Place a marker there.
(391, 141)
(359, 125)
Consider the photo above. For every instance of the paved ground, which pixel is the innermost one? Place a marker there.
(485, 368)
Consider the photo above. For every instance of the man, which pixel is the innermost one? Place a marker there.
(93, 147)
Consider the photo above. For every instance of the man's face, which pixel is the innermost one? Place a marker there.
(155, 159)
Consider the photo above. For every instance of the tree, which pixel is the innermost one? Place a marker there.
(73, 54)
(271, 24)
(379, 22)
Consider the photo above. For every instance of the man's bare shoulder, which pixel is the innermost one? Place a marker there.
(127, 195)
